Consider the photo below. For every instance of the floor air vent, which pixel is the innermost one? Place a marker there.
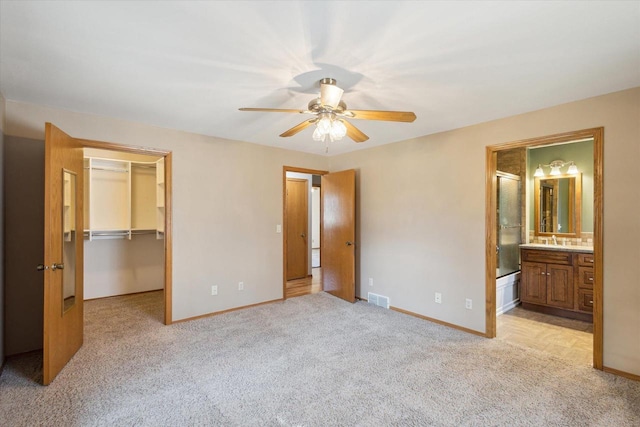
(379, 300)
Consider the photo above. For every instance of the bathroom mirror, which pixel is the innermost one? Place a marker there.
(558, 205)
(69, 238)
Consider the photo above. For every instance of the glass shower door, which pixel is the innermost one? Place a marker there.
(509, 224)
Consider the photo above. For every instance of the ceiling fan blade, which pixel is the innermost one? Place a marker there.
(274, 110)
(299, 127)
(354, 133)
(330, 95)
(391, 116)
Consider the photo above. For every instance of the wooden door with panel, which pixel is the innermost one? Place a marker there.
(63, 251)
(338, 194)
(297, 211)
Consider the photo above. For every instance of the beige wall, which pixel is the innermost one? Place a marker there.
(227, 199)
(421, 207)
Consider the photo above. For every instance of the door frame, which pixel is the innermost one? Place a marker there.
(598, 226)
(286, 169)
(168, 189)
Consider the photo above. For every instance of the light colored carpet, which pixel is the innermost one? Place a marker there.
(312, 360)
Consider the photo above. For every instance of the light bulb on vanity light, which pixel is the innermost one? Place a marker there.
(539, 171)
(573, 169)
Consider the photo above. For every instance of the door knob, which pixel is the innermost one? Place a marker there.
(349, 243)
(55, 266)
(302, 235)
(42, 267)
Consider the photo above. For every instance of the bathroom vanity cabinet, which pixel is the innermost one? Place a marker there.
(557, 281)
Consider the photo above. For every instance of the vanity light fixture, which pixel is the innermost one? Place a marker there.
(539, 171)
(555, 168)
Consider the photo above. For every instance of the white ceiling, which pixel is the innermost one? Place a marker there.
(191, 65)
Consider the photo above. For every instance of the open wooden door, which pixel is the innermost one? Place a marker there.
(63, 251)
(297, 205)
(338, 194)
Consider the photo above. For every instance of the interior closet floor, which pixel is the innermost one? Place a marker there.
(306, 285)
(567, 338)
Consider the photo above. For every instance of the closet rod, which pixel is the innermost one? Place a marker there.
(143, 232)
(107, 169)
(109, 233)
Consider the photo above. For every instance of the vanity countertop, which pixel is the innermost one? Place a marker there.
(568, 248)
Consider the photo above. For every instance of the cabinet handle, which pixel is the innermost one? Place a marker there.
(543, 273)
(548, 274)
(590, 302)
(591, 279)
(590, 260)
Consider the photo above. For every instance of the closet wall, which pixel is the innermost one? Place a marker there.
(124, 223)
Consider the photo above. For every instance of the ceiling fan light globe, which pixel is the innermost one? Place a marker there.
(324, 125)
(338, 130)
(317, 135)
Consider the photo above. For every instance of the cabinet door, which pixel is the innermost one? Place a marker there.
(534, 282)
(560, 285)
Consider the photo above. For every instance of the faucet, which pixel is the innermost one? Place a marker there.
(555, 241)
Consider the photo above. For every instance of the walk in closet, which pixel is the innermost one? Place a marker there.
(123, 223)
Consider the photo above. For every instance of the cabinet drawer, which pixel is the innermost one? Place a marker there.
(585, 277)
(585, 260)
(585, 300)
(550, 257)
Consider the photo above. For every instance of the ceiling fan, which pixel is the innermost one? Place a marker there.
(330, 114)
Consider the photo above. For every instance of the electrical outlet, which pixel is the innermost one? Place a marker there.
(241, 286)
(370, 281)
(214, 290)
(468, 304)
(438, 298)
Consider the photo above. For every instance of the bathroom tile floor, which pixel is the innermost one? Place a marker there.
(566, 338)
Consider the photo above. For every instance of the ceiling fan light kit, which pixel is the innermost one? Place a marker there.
(330, 113)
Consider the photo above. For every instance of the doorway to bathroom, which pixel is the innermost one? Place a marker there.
(553, 302)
